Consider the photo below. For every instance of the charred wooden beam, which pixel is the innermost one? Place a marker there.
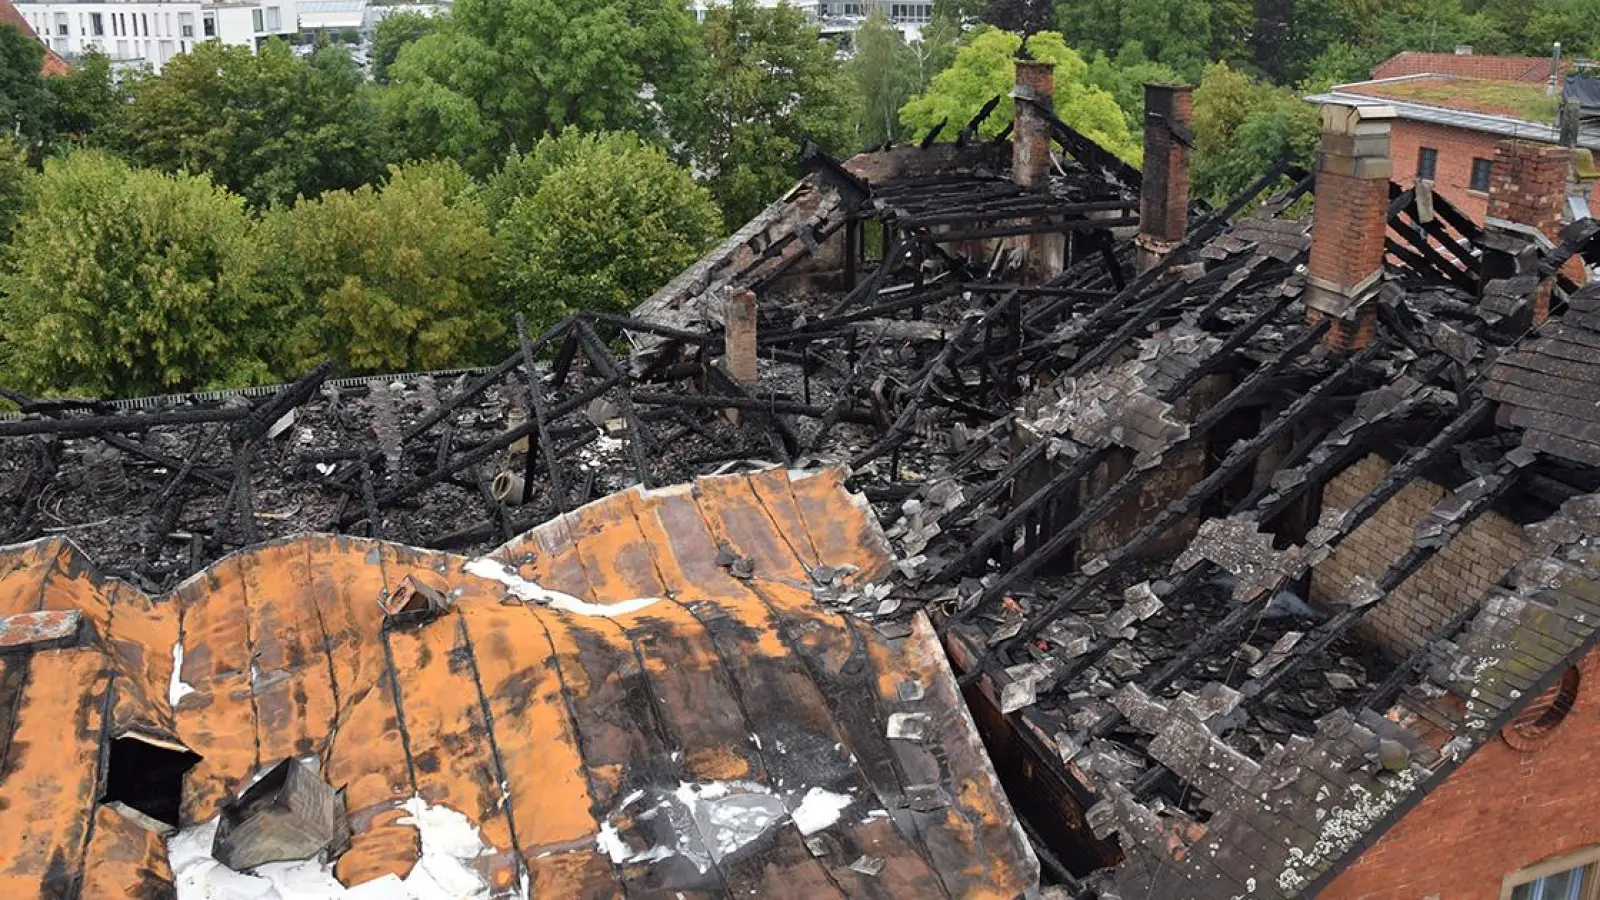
(1238, 457)
(638, 435)
(541, 424)
(1117, 493)
(484, 450)
(1046, 226)
(129, 422)
(264, 416)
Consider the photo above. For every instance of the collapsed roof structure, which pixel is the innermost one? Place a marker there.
(1140, 466)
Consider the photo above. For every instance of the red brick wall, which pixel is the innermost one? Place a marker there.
(1459, 574)
(1457, 147)
(1502, 811)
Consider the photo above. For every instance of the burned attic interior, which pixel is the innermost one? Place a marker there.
(1142, 469)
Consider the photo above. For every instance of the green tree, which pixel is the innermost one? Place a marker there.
(14, 177)
(883, 72)
(388, 278)
(266, 125)
(24, 100)
(771, 82)
(1241, 128)
(1176, 33)
(419, 118)
(83, 100)
(521, 174)
(1575, 23)
(1124, 79)
(394, 32)
(533, 67)
(124, 281)
(602, 230)
(985, 69)
(1021, 16)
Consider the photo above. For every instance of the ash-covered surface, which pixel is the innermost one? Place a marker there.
(165, 501)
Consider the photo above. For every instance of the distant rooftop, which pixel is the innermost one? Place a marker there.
(1527, 69)
(1519, 99)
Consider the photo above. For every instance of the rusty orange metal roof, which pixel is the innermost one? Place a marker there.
(591, 670)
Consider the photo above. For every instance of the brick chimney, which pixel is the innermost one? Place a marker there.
(1164, 199)
(1044, 255)
(1542, 187)
(739, 337)
(1030, 133)
(1350, 222)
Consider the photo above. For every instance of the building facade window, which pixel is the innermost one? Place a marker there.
(1480, 175)
(911, 12)
(1427, 163)
(97, 24)
(274, 22)
(62, 26)
(186, 24)
(257, 21)
(210, 25)
(1575, 876)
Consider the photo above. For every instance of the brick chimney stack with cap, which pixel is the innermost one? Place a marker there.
(1044, 255)
(1535, 190)
(1164, 199)
(1350, 222)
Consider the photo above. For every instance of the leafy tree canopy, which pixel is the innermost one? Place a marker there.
(266, 125)
(386, 279)
(419, 119)
(1242, 127)
(24, 100)
(84, 99)
(771, 82)
(603, 228)
(1124, 78)
(125, 281)
(14, 175)
(393, 33)
(985, 68)
(883, 75)
(533, 67)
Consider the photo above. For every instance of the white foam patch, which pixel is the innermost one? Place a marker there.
(818, 809)
(445, 871)
(532, 592)
(177, 689)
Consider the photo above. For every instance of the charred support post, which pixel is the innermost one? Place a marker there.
(1350, 222)
(1164, 195)
(1044, 255)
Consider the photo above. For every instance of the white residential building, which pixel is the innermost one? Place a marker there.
(837, 18)
(135, 32)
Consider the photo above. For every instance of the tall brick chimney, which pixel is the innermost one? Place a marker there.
(1534, 186)
(1044, 255)
(1030, 133)
(1164, 199)
(1349, 222)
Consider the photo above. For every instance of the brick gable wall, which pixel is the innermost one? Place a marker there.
(1502, 811)
(1457, 576)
